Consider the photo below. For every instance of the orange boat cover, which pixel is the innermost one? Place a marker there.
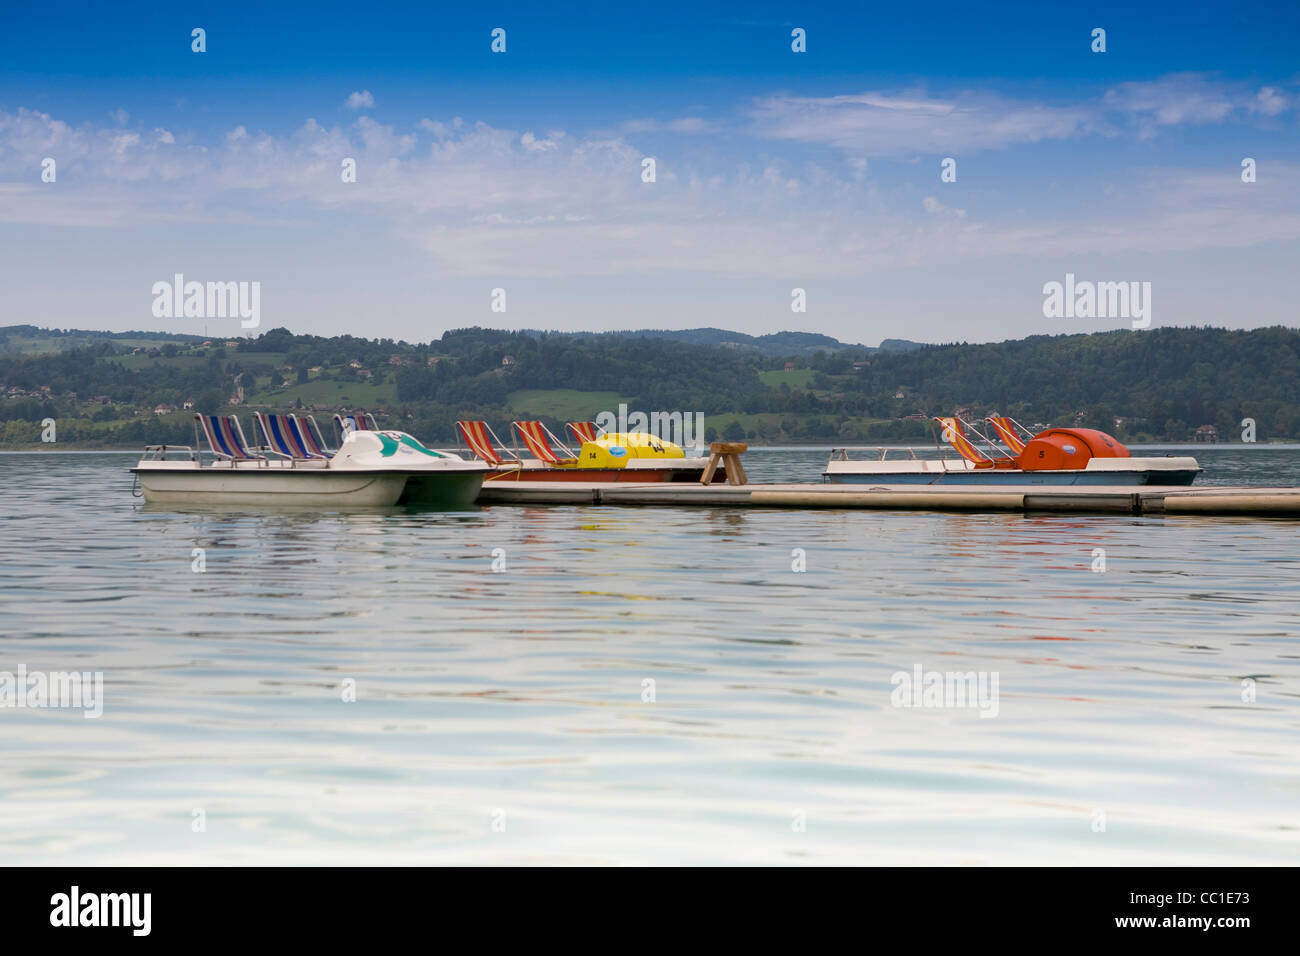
(1068, 448)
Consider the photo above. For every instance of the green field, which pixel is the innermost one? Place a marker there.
(47, 344)
(563, 404)
(796, 378)
(136, 362)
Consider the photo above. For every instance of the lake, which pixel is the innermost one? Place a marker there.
(658, 686)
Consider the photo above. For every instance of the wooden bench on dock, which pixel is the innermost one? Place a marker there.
(726, 453)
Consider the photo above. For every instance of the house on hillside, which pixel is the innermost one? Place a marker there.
(508, 360)
(164, 409)
(789, 366)
(188, 404)
(1207, 433)
(859, 366)
(355, 363)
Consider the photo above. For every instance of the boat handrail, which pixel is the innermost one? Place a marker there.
(841, 453)
(159, 452)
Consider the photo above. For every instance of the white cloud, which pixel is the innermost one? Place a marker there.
(440, 129)
(1170, 101)
(898, 123)
(879, 124)
(480, 200)
(362, 99)
(1189, 98)
(936, 208)
(535, 145)
(1269, 101)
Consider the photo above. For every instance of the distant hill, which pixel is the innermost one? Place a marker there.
(1167, 384)
(900, 345)
(772, 345)
(30, 340)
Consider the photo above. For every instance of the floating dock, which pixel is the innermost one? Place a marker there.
(1099, 499)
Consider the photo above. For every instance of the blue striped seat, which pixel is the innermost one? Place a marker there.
(285, 437)
(226, 438)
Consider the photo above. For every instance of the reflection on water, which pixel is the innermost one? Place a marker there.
(520, 696)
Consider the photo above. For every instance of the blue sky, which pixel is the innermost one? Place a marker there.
(775, 169)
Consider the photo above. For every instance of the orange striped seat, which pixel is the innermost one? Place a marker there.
(478, 439)
(1006, 429)
(582, 431)
(953, 435)
(537, 438)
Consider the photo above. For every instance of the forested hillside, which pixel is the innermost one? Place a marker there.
(1161, 384)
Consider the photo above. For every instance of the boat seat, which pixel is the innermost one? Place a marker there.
(537, 438)
(226, 438)
(953, 435)
(356, 422)
(284, 437)
(313, 439)
(482, 442)
(1006, 429)
(581, 431)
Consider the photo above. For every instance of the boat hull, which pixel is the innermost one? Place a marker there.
(539, 471)
(270, 487)
(1120, 471)
(986, 476)
(446, 490)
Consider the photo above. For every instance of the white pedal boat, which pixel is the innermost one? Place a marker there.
(369, 469)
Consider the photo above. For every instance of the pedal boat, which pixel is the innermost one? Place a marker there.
(1055, 456)
(604, 457)
(369, 469)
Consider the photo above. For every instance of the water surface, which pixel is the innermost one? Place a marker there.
(501, 717)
